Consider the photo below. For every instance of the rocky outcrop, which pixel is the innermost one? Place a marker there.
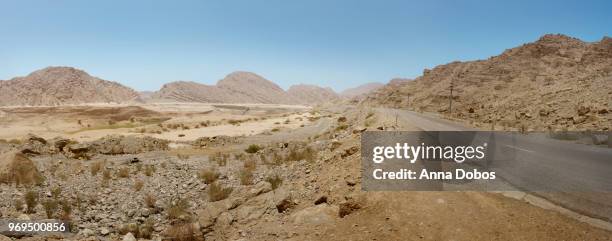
(553, 83)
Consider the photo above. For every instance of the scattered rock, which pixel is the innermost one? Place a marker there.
(129, 237)
(283, 200)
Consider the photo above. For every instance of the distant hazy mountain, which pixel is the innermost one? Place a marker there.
(361, 90)
(61, 86)
(312, 94)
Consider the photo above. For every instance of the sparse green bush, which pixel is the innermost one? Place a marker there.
(253, 148)
(274, 180)
(50, 206)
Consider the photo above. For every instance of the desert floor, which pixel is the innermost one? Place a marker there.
(314, 152)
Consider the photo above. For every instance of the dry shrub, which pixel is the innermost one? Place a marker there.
(129, 228)
(208, 175)
(145, 230)
(295, 154)
(123, 172)
(274, 180)
(31, 200)
(50, 206)
(95, 168)
(178, 209)
(181, 232)
(182, 156)
(138, 184)
(56, 192)
(252, 149)
(149, 170)
(341, 127)
(150, 200)
(246, 176)
(220, 159)
(250, 164)
(66, 209)
(106, 174)
(18, 203)
(216, 192)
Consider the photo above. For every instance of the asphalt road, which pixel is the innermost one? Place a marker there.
(575, 176)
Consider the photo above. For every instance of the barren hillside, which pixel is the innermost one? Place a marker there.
(312, 94)
(556, 82)
(60, 86)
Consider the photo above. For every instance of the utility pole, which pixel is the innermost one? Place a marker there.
(450, 99)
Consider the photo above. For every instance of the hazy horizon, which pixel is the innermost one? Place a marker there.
(339, 44)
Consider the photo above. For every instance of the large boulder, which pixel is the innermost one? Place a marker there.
(16, 167)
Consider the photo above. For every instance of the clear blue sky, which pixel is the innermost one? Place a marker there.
(335, 43)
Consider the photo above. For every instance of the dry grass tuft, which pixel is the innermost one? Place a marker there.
(31, 200)
(150, 200)
(208, 175)
(138, 184)
(216, 192)
(95, 168)
(123, 172)
(178, 209)
(246, 176)
(181, 232)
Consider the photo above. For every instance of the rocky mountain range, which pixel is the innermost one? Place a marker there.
(556, 82)
(61, 86)
(243, 87)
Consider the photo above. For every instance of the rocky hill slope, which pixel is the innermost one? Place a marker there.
(312, 94)
(556, 82)
(61, 86)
